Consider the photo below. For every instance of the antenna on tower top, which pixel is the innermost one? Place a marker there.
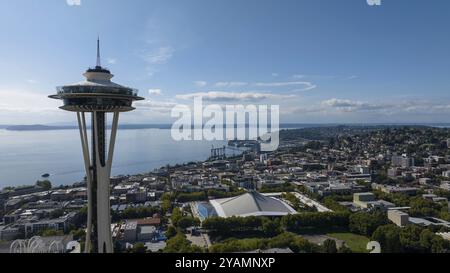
(98, 52)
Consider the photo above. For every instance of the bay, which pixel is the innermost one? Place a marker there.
(26, 155)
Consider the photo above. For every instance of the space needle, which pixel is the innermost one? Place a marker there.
(97, 95)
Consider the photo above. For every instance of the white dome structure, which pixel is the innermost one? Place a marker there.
(251, 204)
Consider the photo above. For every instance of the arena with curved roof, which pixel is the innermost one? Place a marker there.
(250, 204)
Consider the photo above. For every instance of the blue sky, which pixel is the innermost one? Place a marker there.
(322, 61)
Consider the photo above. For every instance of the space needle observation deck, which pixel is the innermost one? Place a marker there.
(97, 93)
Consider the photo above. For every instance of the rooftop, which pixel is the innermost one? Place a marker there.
(251, 204)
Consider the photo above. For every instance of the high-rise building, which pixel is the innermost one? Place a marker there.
(97, 95)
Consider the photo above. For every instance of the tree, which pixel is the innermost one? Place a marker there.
(410, 239)
(426, 239)
(439, 245)
(188, 221)
(344, 249)
(50, 233)
(284, 240)
(56, 213)
(389, 238)
(271, 227)
(179, 244)
(432, 242)
(78, 234)
(315, 220)
(166, 205)
(176, 216)
(171, 231)
(329, 246)
(190, 197)
(224, 226)
(134, 213)
(45, 184)
(334, 205)
(421, 207)
(365, 223)
(139, 248)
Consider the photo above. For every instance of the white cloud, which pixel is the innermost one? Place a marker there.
(200, 83)
(350, 105)
(275, 74)
(156, 56)
(159, 56)
(231, 84)
(155, 92)
(341, 103)
(73, 2)
(111, 61)
(316, 77)
(20, 100)
(232, 96)
(307, 85)
(24, 107)
(156, 106)
(302, 110)
(31, 81)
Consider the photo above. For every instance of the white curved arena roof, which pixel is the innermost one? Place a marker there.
(251, 204)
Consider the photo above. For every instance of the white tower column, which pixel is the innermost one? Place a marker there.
(99, 220)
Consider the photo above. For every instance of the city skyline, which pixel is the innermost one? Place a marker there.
(321, 61)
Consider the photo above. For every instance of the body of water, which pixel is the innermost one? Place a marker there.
(26, 155)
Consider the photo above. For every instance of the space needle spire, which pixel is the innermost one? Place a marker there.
(97, 95)
(98, 52)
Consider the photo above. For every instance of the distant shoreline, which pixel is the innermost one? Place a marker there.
(40, 127)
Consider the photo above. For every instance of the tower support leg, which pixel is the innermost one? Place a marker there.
(87, 165)
(98, 173)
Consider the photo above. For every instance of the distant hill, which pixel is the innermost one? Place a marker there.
(39, 127)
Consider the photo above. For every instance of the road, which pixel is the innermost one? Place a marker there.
(311, 203)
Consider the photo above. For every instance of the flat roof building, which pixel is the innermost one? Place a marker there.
(399, 218)
(367, 200)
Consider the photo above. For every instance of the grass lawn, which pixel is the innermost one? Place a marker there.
(356, 243)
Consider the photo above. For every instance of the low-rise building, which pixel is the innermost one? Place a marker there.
(425, 181)
(367, 200)
(403, 161)
(434, 198)
(399, 218)
(32, 227)
(411, 191)
(130, 231)
(9, 233)
(393, 172)
(146, 233)
(445, 185)
(136, 196)
(140, 230)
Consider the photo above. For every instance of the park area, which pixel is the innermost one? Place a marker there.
(356, 243)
